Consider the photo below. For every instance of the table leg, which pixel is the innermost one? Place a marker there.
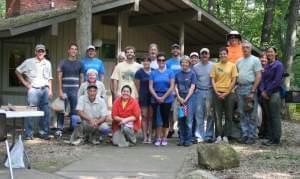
(9, 160)
(14, 132)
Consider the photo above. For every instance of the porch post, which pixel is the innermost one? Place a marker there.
(84, 25)
(119, 32)
(181, 38)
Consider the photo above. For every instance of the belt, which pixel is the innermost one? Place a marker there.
(41, 87)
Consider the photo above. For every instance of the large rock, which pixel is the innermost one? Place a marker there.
(217, 156)
(199, 174)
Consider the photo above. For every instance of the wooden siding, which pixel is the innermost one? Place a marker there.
(57, 45)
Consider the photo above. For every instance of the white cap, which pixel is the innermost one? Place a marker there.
(234, 32)
(92, 71)
(194, 54)
(91, 47)
(204, 50)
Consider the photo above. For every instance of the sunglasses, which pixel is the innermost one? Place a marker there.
(161, 60)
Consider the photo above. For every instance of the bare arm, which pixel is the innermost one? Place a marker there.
(59, 84)
(171, 88)
(137, 84)
(190, 93)
(115, 87)
(124, 120)
(151, 89)
(257, 81)
(81, 77)
(100, 120)
(23, 81)
(232, 84)
(84, 116)
(50, 93)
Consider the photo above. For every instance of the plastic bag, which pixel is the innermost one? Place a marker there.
(16, 155)
(58, 105)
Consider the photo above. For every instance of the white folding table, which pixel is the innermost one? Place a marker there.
(13, 115)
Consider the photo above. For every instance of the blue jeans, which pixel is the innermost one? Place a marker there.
(185, 123)
(38, 98)
(247, 119)
(72, 98)
(204, 113)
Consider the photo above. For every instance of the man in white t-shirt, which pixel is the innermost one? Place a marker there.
(124, 72)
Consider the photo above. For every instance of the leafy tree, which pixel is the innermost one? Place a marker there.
(249, 21)
(2, 8)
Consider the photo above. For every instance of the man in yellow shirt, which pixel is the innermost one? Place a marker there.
(234, 47)
(223, 75)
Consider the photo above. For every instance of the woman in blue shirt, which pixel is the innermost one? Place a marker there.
(142, 77)
(185, 81)
(161, 86)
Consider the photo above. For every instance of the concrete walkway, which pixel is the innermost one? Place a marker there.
(142, 161)
(110, 162)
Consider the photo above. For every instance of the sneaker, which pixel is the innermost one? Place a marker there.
(145, 141)
(76, 142)
(149, 140)
(225, 139)
(200, 140)
(58, 134)
(157, 142)
(95, 142)
(219, 140)
(164, 142)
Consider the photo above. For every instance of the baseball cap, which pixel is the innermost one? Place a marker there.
(234, 33)
(175, 46)
(204, 50)
(40, 47)
(194, 54)
(91, 47)
(92, 85)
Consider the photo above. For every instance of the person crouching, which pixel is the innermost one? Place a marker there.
(93, 113)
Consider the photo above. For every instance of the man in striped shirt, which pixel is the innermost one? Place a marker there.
(70, 76)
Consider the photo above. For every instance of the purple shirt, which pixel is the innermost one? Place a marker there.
(271, 78)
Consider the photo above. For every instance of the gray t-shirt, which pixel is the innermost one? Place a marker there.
(247, 68)
(202, 74)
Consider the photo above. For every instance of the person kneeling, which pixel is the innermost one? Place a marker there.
(93, 112)
(126, 116)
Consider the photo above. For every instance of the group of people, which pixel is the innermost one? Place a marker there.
(193, 91)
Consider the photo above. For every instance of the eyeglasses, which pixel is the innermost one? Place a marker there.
(161, 60)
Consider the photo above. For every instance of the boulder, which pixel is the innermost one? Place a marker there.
(199, 174)
(217, 156)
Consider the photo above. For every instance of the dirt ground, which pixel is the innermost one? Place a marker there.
(257, 161)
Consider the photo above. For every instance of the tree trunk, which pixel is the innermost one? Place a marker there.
(211, 6)
(267, 24)
(84, 25)
(290, 42)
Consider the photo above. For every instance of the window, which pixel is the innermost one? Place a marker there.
(14, 54)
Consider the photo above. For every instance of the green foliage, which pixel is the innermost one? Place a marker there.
(2, 8)
(248, 22)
